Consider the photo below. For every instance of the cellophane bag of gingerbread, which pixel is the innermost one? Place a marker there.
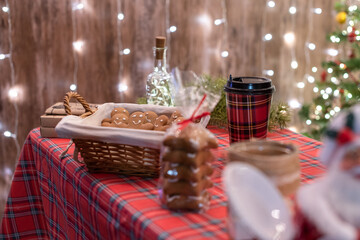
(186, 153)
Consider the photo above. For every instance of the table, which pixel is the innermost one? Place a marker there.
(58, 199)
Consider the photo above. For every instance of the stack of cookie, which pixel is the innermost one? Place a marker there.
(148, 120)
(186, 168)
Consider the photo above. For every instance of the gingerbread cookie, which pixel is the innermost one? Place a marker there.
(161, 123)
(188, 159)
(120, 120)
(186, 168)
(137, 120)
(175, 115)
(177, 143)
(119, 110)
(106, 122)
(150, 117)
(178, 120)
(186, 188)
(183, 172)
(147, 126)
(177, 202)
(203, 137)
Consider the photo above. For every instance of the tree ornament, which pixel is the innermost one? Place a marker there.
(352, 36)
(352, 54)
(323, 76)
(344, 73)
(341, 17)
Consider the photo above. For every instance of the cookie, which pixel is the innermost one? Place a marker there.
(146, 126)
(189, 159)
(162, 120)
(178, 202)
(203, 137)
(178, 120)
(150, 117)
(178, 143)
(162, 128)
(186, 188)
(119, 110)
(106, 122)
(136, 119)
(161, 123)
(175, 115)
(182, 172)
(120, 120)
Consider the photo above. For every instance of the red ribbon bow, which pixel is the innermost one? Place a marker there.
(185, 122)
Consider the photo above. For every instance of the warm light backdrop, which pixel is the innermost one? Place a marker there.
(110, 49)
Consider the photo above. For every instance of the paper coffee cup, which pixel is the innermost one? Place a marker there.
(248, 102)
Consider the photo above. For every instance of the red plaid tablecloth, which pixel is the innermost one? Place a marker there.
(58, 199)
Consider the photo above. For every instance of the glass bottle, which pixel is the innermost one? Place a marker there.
(158, 89)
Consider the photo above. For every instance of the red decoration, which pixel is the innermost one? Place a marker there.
(347, 70)
(352, 36)
(308, 230)
(341, 91)
(352, 54)
(346, 135)
(193, 118)
(323, 76)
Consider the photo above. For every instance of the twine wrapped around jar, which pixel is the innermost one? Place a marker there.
(279, 161)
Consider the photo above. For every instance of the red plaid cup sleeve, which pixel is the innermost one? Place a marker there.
(247, 116)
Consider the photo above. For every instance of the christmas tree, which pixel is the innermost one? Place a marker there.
(339, 85)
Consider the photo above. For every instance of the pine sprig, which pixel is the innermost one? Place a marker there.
(351, 65)
(280, 116)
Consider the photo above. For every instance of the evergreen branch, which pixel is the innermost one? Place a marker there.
(280, 116)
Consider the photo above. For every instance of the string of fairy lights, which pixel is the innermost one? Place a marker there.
(78, 44)
(122, 87)
(224, 53)
(167, 27)
(333, 53)
(14, 93)
(289, 39)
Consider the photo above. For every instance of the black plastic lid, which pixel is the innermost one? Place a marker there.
(249, 85)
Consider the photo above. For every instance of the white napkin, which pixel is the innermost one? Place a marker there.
(90, 128)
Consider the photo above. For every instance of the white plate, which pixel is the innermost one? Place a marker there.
(256, 207)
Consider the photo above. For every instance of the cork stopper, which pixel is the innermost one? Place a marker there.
(160, 43)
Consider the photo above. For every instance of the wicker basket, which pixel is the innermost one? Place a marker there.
(102, 157)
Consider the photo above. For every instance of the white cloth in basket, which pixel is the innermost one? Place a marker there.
(90, 128)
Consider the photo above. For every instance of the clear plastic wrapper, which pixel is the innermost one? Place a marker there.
(186, 156)
(186, 168)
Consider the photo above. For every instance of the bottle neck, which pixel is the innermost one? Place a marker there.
(160, 59)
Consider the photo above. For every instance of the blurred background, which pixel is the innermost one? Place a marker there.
(103, 50)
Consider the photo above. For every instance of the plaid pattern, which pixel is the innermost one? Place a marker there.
(247, 115)
(58, 199)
